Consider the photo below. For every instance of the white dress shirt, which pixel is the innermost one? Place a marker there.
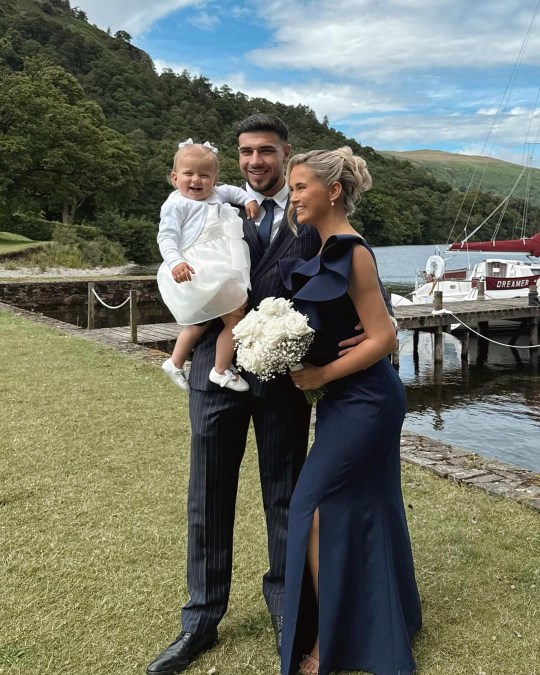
(281, 198)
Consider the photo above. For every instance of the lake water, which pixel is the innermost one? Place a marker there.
(492, 406)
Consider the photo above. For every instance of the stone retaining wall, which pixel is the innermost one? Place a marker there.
(42, 295)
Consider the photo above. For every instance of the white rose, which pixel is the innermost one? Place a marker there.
(266, 306)
(296, 325)
(251, 359)
(274, 330)
(248, 327)
(275, 306)
(282, 306)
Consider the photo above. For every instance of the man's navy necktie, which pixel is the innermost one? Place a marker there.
(265, 227)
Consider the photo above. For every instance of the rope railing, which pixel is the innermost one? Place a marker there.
(110, 306)
(133, 312)
(436, 312)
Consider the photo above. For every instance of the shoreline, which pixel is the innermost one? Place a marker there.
(444, 460)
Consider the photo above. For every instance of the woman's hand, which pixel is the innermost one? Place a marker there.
(309, 377)
(182, 272)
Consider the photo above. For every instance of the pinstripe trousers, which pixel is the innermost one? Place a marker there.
(220, 421)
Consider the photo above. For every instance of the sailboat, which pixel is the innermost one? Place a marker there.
(502, 278)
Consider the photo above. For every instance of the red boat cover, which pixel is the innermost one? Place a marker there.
(528, 246)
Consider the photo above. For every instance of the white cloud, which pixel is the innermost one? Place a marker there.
(204, 21)
(336, 100)
(135, 16)
(178, 68)
(467, 134)
(377, 39)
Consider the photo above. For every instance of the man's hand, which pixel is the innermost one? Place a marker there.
(182, 272)
(252, 209)
(350, 343)
(357, 339)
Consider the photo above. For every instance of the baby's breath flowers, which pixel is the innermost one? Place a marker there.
(272, 340)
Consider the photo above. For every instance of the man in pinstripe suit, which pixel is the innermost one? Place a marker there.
(220, 418)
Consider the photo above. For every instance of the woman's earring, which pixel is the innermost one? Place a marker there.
(331, 202)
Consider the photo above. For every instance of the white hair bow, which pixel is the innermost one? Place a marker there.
(206, 144)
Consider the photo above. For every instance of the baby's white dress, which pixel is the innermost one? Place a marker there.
(209, 236)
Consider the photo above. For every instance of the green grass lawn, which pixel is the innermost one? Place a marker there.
(93, 472)
(11, 243)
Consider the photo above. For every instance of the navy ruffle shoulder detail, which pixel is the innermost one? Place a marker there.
(324, 277)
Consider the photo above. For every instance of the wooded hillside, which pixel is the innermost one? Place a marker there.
(465, 172)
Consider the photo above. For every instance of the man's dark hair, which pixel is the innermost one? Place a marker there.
(263, 122)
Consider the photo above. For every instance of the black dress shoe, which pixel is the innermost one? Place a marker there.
(277, 625)
(181, 652)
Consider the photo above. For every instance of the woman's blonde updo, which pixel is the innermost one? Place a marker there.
(331, 166)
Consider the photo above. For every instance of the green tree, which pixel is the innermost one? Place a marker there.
(56, 151)
(122, 35)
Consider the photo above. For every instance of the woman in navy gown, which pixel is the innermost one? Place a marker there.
(351, 600)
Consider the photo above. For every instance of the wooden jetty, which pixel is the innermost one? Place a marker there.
(470, 312)
(149, 333)
(476, 314)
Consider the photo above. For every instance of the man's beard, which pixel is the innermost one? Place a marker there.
(265, 187)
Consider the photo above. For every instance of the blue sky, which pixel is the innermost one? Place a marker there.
(394, 74)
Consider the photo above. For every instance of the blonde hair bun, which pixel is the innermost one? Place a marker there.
(340, 166)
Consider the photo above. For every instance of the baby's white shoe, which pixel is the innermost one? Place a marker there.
(228, 379)
(177, 375)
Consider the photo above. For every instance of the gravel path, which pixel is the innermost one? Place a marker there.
(64, 272)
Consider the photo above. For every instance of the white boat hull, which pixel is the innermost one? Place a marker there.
(503, 279)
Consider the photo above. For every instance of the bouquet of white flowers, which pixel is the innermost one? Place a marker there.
(272, 339)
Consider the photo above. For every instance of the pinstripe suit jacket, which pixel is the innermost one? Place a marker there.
(265, 282)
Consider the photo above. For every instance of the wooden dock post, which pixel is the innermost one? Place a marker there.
(534, 339)
(438, 346)
(133, 315)
(91, 306)
(481, 290)
(416, 358)
(533, 295)
(465, 340)
(395, 355)
(483, 342)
